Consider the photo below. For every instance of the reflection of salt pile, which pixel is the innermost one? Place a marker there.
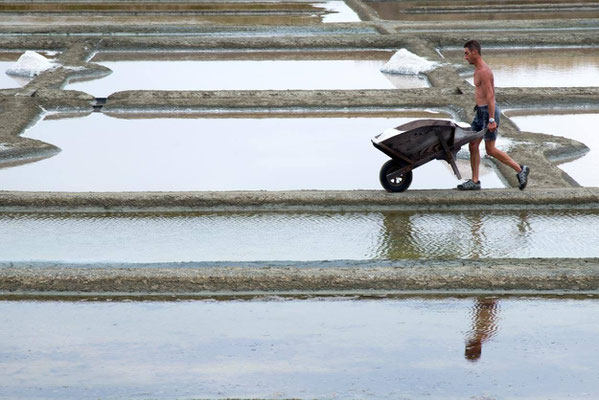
(405, 62)
(31, 64)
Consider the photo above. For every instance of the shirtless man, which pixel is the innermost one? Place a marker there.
(484, 94)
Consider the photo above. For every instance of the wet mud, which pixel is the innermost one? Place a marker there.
(302, 200)
(491, 275)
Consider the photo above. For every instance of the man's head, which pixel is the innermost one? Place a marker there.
(474, 349)
(472, 51)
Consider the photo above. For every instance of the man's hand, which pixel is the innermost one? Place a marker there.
(492, 126)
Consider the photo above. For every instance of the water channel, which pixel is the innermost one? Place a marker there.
(464, 10)
(438, 348)
(575, 125)
(261, 70)
(178, 13)
(101, 153)
(246, 237)
(539, 67)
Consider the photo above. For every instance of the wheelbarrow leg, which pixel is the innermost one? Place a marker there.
(449, 156)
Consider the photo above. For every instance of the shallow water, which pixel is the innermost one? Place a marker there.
(578, 126)
(9, 81)
(266, 71)
(461, 10)
(7, 60)
(338, 11)
(380, 349)
(245, 55)
(238, 13)
(219, 26)
(297, 236)
(100, 153)
(536, 67)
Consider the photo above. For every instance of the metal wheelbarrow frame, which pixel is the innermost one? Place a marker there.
(418, 142)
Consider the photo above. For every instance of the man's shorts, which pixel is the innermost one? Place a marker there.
(481, 119)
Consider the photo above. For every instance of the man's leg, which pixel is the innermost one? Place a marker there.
(500, 155)
(522, 171)
(473, 146)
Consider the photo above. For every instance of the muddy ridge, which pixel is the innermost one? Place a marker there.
(488, 276)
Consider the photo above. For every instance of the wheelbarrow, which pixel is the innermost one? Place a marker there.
(418, 142)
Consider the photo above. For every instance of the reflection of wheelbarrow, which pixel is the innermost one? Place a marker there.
(418, 142)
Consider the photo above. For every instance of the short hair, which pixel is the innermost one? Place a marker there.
(473, 45)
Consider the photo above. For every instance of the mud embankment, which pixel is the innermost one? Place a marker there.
(493, 275)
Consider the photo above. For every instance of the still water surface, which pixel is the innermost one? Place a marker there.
(9, 81)
(100, 153)
(445, 348)
(473, 11)
(266, 71)
(538, 67)
(297, 236)
(178, 13)
(577, 126)
(7, 60)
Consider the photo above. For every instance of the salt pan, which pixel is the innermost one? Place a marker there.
(31, 64)
(407, 63)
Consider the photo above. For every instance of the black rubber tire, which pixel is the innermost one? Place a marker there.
(398, 184)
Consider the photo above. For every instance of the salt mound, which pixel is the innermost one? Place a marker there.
(405, 62)
(31, 64)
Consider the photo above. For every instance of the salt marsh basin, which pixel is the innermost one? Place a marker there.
(249, 237)
(460, 10)
(570, 124)
(7, 60)
(335, 291)
(100, 153)
(239, 13)
(258, 70)
(540, 67)
(8, 81)
(335, 348)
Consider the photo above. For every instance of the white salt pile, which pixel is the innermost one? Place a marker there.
(407, 63)
(31, 64)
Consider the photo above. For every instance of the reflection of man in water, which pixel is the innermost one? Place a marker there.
(484, 94)
(484, 326)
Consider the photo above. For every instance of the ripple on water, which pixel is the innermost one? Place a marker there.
(297, 236)
(535, 348)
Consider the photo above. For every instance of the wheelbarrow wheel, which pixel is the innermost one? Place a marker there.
(398, 184)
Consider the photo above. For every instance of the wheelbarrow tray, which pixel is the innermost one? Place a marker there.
(418, 142)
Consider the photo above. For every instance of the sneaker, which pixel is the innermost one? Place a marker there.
(469, 185)
(523, 176)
